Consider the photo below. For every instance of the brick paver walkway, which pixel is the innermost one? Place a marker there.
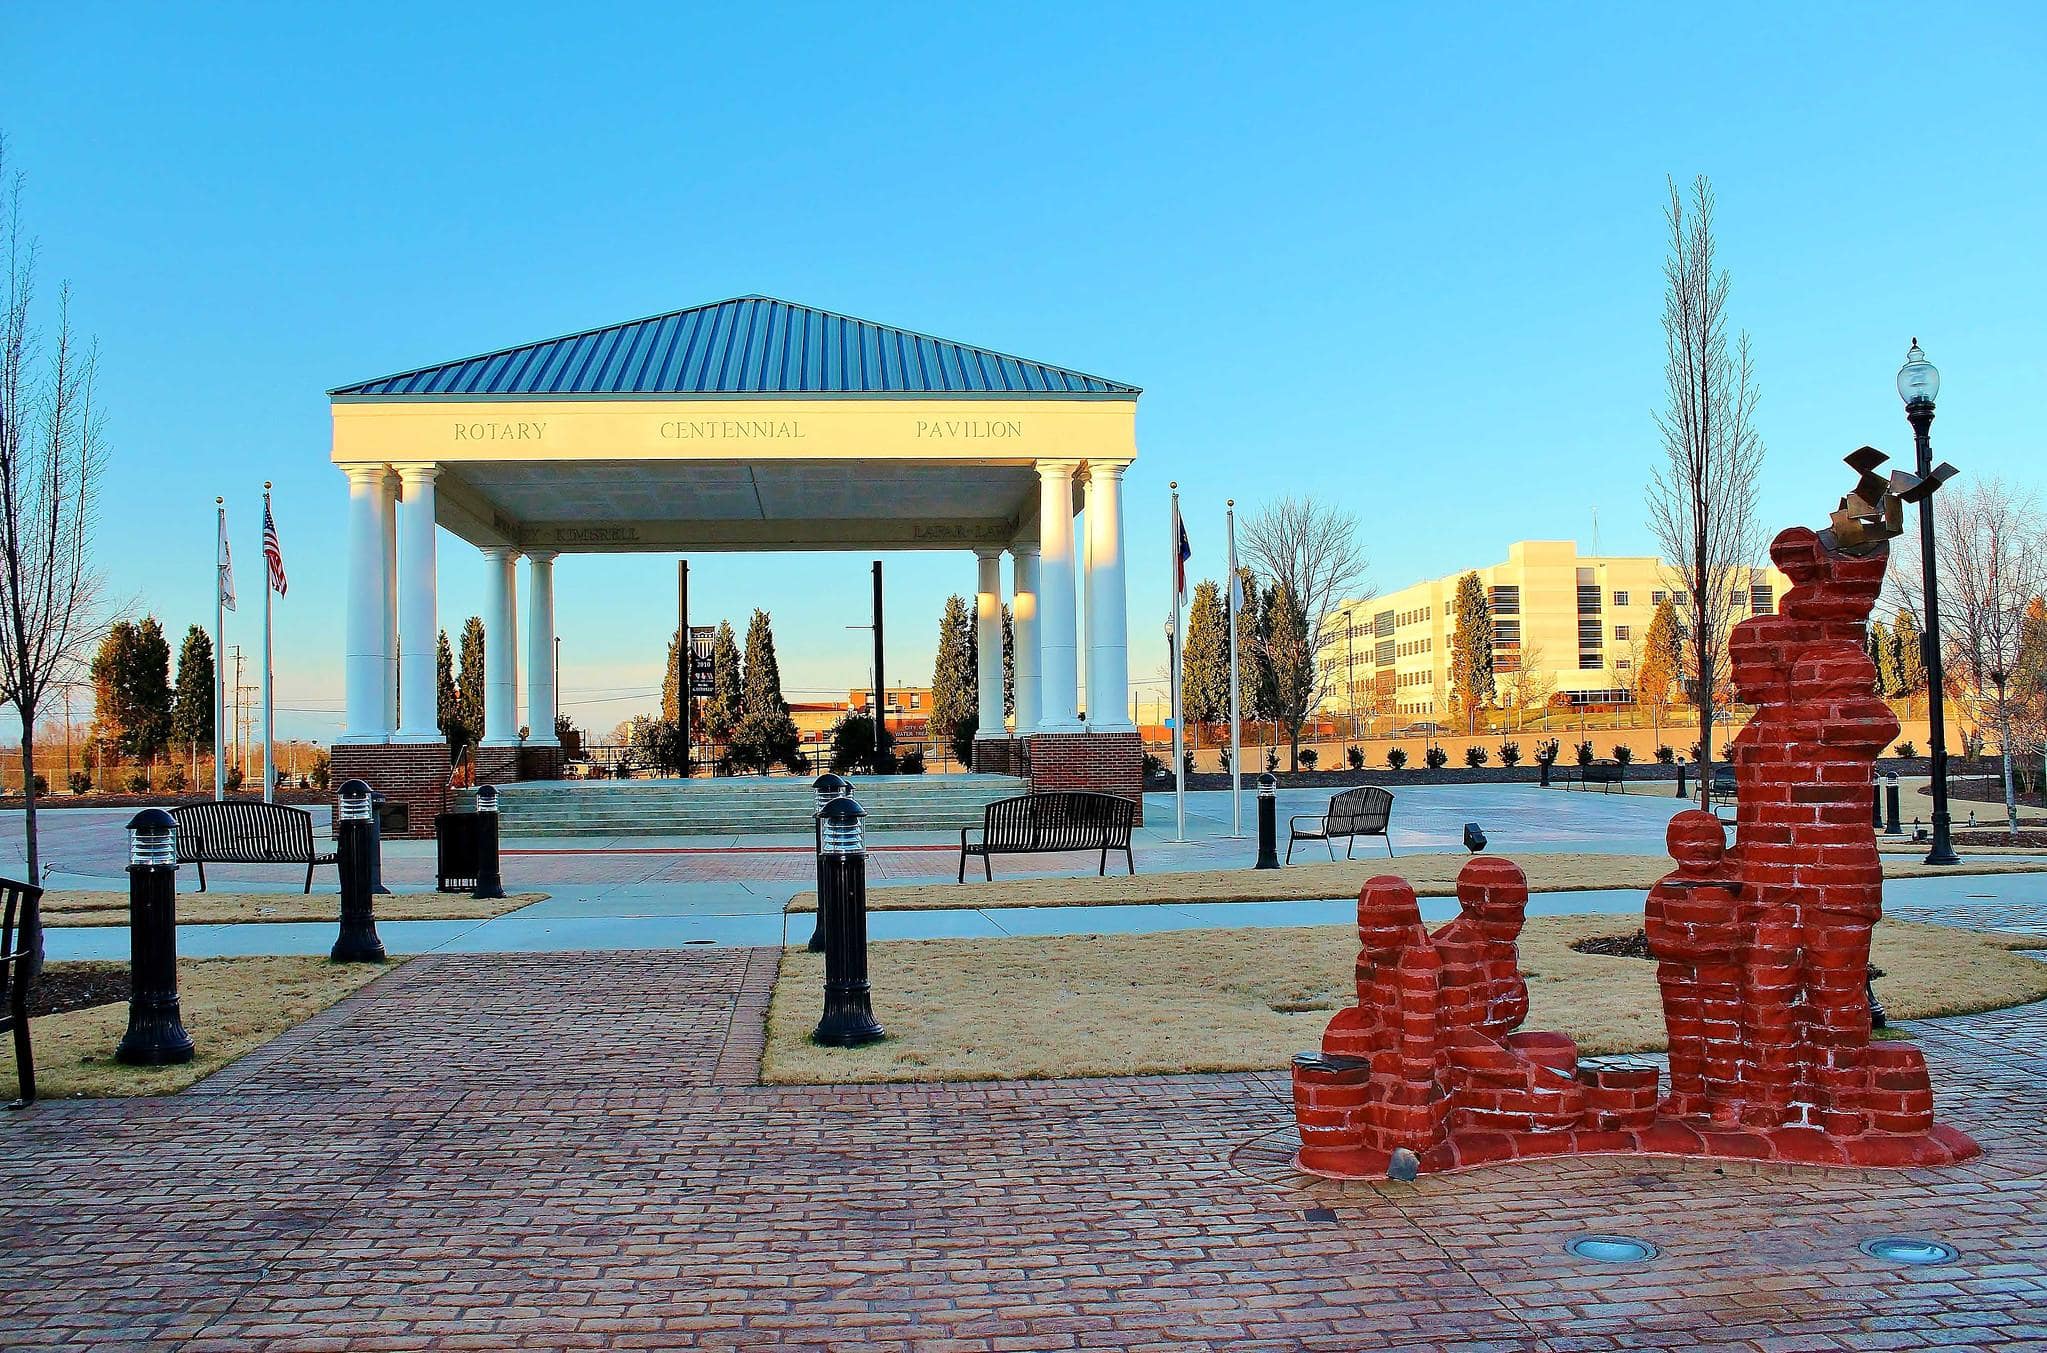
(569, 1152)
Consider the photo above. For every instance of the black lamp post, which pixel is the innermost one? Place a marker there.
(156, 1034)
(827, 788)
(1918, 383)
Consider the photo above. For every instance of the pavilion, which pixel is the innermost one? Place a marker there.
(747, 424)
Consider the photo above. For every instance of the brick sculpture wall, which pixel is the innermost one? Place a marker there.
(1110, 763)
(496, 765)
(999, 756)
(412, 773)
(1762, 952)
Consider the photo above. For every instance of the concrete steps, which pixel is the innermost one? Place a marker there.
(740, 806)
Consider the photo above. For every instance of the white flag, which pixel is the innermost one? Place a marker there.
(227, 568)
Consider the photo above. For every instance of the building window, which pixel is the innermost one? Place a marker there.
(1760, 601)
(1506, 600)
(1383, 653)
(1620, 598)
(1382, 625)
(1589, 662)
(916, 699)
(1621, 633)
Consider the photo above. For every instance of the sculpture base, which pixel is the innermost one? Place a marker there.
(1673, 1137)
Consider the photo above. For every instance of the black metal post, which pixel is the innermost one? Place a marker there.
(490, 879)
(1891, 805)
(355, 848)
(1876, 801)
(828, 787)
(377, 845)
(880, 681)
(1268, 822)
(1919, 413)
(156, 1034)
(685, 662)
(1682, 792)
(842, 901)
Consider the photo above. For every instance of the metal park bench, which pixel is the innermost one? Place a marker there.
(18, 902)
(1606, 774)
(239, 832)
(1722, 792)
(1353, 813)
(1033, 824)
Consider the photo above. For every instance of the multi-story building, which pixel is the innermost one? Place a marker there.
(1569, 624)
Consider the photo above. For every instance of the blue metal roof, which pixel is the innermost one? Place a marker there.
(752, 345)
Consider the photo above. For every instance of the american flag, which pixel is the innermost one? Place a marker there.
(273, 553)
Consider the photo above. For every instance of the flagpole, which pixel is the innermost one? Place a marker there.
(1233, 600)
(269, 715)
(1173, 665)
(219, 633)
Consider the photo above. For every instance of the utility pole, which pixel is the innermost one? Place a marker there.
(238, 709)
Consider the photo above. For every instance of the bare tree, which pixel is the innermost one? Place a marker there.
(51, 454)
(1702, 499)
(1313, 548)
(1991, 558)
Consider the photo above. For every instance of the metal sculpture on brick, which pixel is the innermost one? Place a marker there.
(1762, 946)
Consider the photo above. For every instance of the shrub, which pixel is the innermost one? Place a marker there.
(912, 762)
(853, 747)
(1354, 757)
(1222, 759)
(138, 781)
(322, 770)
(1546, 753)
(1623, 753)
(1905, 749)
(1154, 769)
(42, 784)
(234, 778)
(1695, 751)
(174, 779)
(1666, 755)
(1510, 753)
(1972, 743)
(1271, 760)
(1436, 758)
(963, 734)
(1396, 758)
(1475, 756)
(1309, 756)
(81, 783)
(1187, 764)
(1585, 753)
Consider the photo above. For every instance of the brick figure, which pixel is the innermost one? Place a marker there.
(1762, 948)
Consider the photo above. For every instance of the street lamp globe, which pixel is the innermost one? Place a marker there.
(1918, 379)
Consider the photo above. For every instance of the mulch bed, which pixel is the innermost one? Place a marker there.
(76, 986)
(64, 798)
(2032, 837)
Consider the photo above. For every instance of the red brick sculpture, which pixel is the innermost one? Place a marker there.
(1762, 948)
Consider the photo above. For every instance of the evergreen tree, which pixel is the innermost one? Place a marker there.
(671, 682)
(112, 716)
(448, 697)
(1205, 658)
(1883, 655)
(1251, 681)
(1290, 663)
(149, 693)
(1008, 663)
(1909, 656)
(469, 682)
(955, 675)
(192, 704)
(765, 734)
(1662, 660)
(722, 710)
(1471, 650)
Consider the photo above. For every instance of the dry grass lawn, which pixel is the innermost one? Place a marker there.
(1233, 1000)
(230, 1006)
(195, 908)
(1431, 875)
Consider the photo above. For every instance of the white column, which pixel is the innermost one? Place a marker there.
(1085, 546)
(419, 622)
(1108, 639)
(1023, 610)
(988, 641)
(500, 646)
(1059, 696)
(367, 662)
(540, 692)
(387, 531)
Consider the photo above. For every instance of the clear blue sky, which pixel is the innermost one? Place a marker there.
(1407, 259)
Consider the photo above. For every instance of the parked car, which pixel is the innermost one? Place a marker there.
(1427, 730)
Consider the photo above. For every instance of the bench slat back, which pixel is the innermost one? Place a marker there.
(1363, 811)
(1062, 820)
(236, 832)
(17, 906)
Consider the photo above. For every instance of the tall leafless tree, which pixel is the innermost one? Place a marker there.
(1702, 499)
(1991, 560)
(1313, 548)
(51, 453)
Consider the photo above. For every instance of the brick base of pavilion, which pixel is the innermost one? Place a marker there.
(1105, 762)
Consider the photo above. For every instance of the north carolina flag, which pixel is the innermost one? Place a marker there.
(1184, 553)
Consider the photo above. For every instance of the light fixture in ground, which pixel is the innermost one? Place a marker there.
(1613, 1249)
(1908, 1250)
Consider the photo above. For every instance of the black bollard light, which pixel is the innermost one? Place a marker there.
(828, 787)
(377, 845)
(1268, 822)
(156, 1034)
(1682, 792)
(1876, 801)
(490, 877)
(355, 849)
(1891, 805)
(842, 900)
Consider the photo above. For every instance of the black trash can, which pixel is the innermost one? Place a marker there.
(458, 838)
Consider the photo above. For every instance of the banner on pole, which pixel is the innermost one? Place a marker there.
(702, 674)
